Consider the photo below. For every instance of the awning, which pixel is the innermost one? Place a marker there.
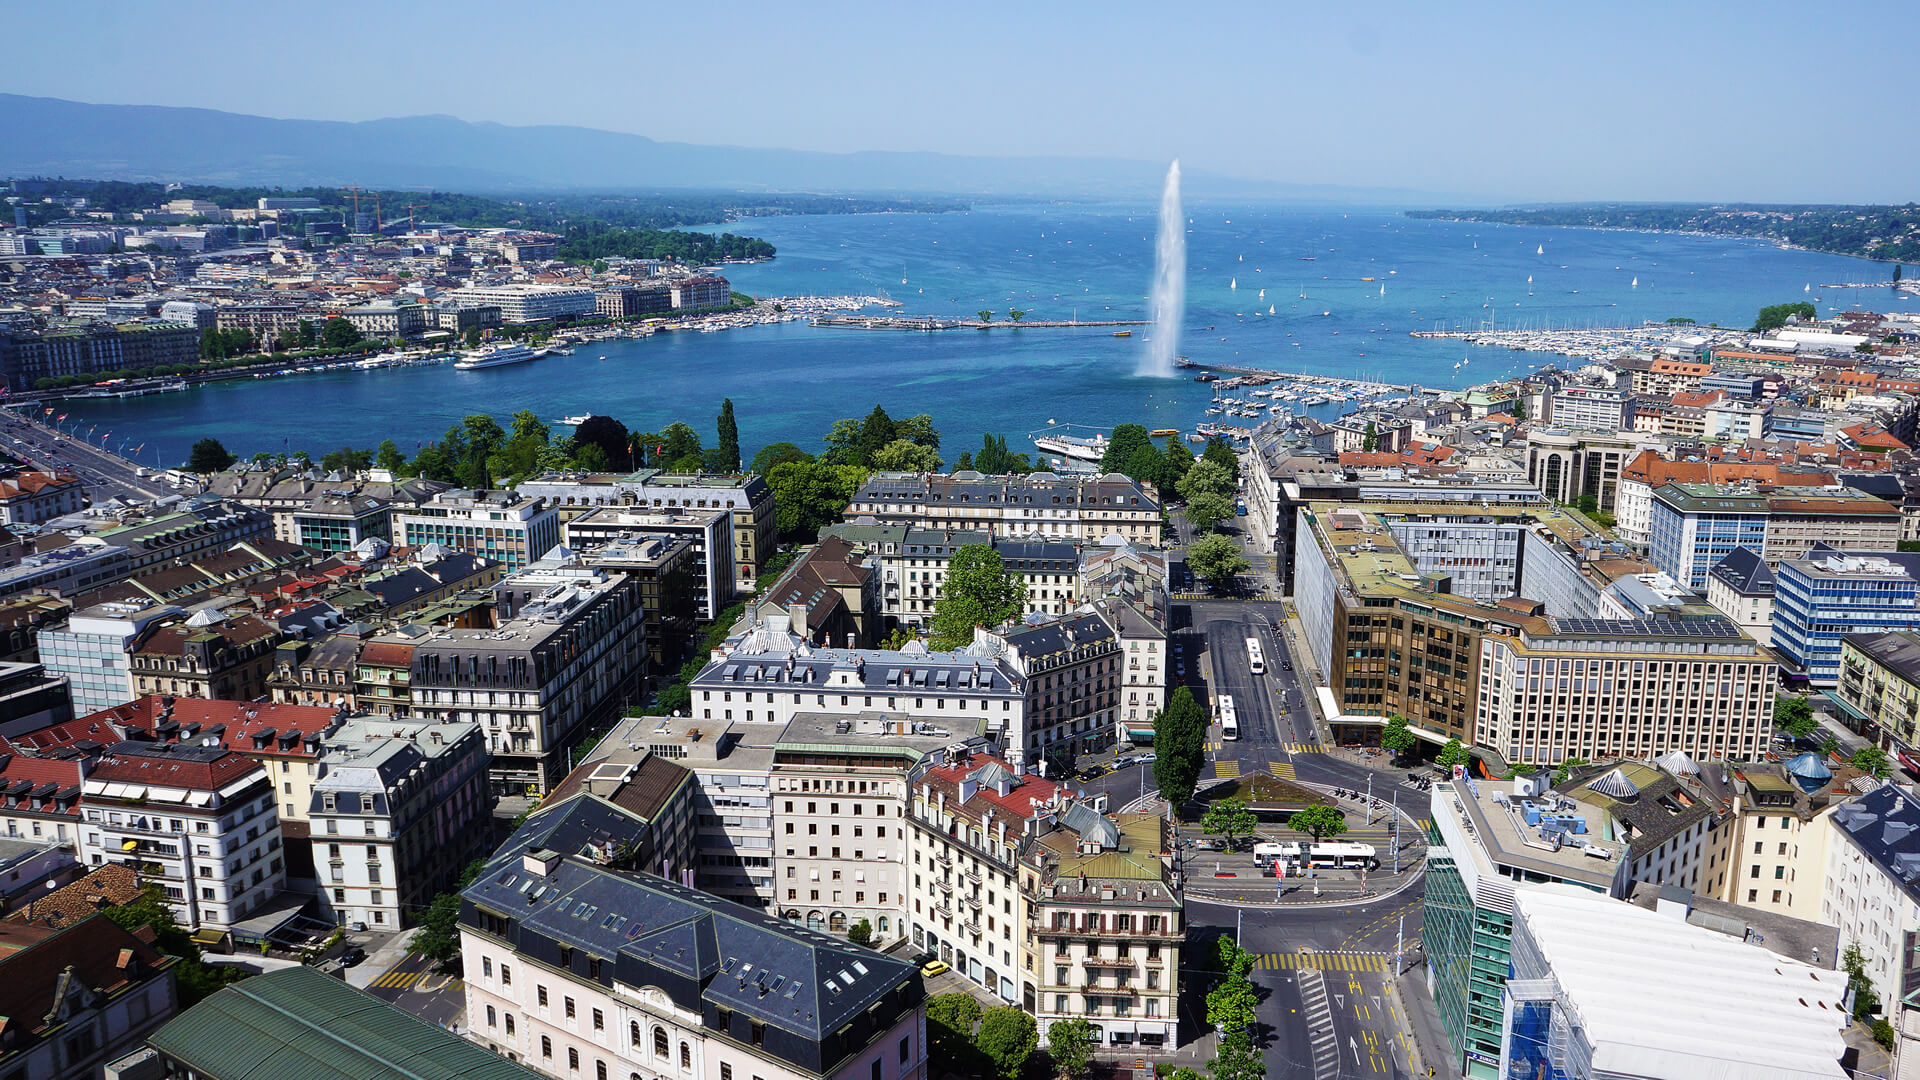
(130, 845)
(1840, 703)
(209, 937)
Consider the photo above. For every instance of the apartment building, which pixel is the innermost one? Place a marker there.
(831, 595)
(1879, 690)
(506, 527)
(86, 564)
(30, 498)
(1106, 923)
(970, 820)
(521, 304)
(768, 675)
(323, 514)
(554, 666)
(1871, 887)
(207, 525)
(1675, 830)
(1640, 688)
(582, 968)
(1038, 506)
(747, 498)
(669, 571)
(839, 791)
(40, 799)
(1605, 409)
(400, 809)
(198, 821)
(915, 571)
(1741, 587)
(1777, 854)
(207, 655)
(86, 991)
(1072, 669)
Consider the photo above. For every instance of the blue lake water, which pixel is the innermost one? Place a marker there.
(790, 382)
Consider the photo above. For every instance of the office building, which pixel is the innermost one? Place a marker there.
(746, 497)
(1820, 599)
(1694, 526)
(709, 531)
(1037, 506)
(206, 525)
(198, 821)
(700, 293)
(1879, 690)
(32, 698)
(669, 572)
(632, 301)
(400, 808)
(1487, 840)
(559, 662)
(509, 528)
(582, 966)
(1578, 1002)
(388, 320)
(86, 564)
(1600, 688)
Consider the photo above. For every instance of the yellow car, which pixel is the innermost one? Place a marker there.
(935, 967)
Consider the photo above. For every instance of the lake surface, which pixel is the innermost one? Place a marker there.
(791, 382)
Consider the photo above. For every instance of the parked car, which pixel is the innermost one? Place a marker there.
(352, 956)
(935, 967)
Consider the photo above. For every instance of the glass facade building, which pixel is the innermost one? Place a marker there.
(1818, 601)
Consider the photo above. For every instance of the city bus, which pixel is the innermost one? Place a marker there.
(1325, 855)
(1254, 657)
(1229, 724)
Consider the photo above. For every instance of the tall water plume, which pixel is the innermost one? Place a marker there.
(1169, 281)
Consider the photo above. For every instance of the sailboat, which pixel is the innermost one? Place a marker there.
(1269, 309)
(1233, 283)
(1809, 287)
(1262, 296)
(1541, 250)
(1383, 288)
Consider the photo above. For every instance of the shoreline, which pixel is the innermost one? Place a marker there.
(1779, 245)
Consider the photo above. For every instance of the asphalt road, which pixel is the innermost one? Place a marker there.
(106, 475)
(413, 985)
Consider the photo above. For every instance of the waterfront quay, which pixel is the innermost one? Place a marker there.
(930, 322)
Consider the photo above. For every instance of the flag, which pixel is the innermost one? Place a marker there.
(62, 416)
(139, 448)
(48, 412)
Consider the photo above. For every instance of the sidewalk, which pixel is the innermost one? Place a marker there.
(1429, 1048)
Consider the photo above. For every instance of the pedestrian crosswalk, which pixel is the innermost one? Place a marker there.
(1213, 747)
(1282, 769)
(1306, 748)
(1323, 961)
(1226, 769)
(427, 981)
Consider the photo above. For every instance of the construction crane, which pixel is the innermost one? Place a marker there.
(411, 207)
(354, 193)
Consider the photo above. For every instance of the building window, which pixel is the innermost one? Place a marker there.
(660, 1045)
(546, 1046)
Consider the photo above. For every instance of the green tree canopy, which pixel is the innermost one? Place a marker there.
(1319, 822)
(1008, 1037)
(1179, 460)
(1453, 754)
(347, 460)
(1179, 746)
(389, 457)
(1206, 510)
(900, 455)
(1873, 761)
(728, 438)
(1229, 819)
(1229, 958)
(208, 456)
(1070, 1044)
(950, 1022)
(776, 454)
(860, 933)
(1775, 316)
(979, 591)
(1396, 736)
(1237, 1058)
(1231, 1004)
(339, 334)
(1792, 715)
(1217, 560)
(808, 495)
(994, 459)
(610, 436)
(1219, 452)
(1123, 448)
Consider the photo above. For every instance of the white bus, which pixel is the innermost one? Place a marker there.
(1258, 661)
(1229, 723)
(1340, 855)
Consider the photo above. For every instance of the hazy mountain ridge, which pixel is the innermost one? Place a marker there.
(54, 137)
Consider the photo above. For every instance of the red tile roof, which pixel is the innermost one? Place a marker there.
(1016, 802)
(130, 766)
(241, 719)
(34, 960)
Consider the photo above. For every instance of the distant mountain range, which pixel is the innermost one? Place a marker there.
(52, 137)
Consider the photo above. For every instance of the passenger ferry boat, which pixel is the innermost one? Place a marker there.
(497, 356)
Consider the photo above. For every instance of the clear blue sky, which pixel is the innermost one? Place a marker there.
(1755, 100)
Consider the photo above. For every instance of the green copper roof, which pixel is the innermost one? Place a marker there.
(298, 1024)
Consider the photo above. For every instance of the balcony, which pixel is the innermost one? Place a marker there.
(943, 910)
(943, 885)
(970, 926)
(971, 901)
(971, 874)
(1107, 962)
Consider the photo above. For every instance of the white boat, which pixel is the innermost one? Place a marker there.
(497, 356)
(1636, 283)
(1071, 446)
(1541, 250)
(574, 421)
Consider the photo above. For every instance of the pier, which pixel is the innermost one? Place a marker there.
(1254, 376)
(930, 323)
